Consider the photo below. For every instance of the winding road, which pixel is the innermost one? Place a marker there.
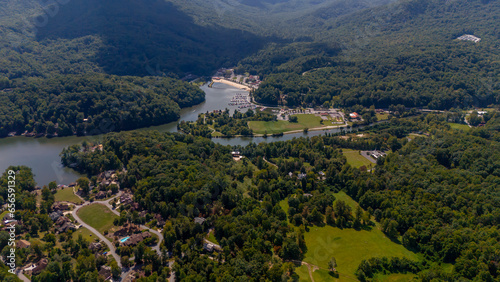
(112, 249)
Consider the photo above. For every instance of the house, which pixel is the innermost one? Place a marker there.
(127, 229)
(290, 174)
(22, 244)
(94, 247)
(210, 247)
(354, 115)
(308, 195)
(321, 173)
(126, 199)
(302, 175)
(64, 224)
(105, 272)
(160, 222)
(136, 239)
(235, 154)
(55, 215)
(40, 266)
(199, 220)
(100, 195)
(377, 154)
(60, 207)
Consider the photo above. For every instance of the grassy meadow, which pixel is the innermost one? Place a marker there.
(97, 216)
(67, 195)
(355, 159)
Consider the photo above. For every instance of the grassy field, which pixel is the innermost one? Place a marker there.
(86, 234)
(270, 127)
(303, 273)
(382, 116)
(212, 238)
(97, 216)
(67, 195)
(355, 159)
(349, 246)
(459, 126)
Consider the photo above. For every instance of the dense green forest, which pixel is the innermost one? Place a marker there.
(437, 194)
(93, 104)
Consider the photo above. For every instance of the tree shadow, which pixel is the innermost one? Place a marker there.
(150, 37)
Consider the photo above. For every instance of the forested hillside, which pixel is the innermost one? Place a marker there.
(404, 53)
(93, 104)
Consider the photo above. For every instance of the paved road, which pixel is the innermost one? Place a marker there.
(97, 233)
(160, 236)
(21, 276)
(125, 271)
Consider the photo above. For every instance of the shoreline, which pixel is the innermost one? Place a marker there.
(232, 83)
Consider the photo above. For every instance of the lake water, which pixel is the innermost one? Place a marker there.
(42, 154)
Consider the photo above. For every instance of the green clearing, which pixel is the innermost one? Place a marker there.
(355, 159)
(86, 234)
(97, 216)
(349, 246)
(284, 205)
(212, 238)
(271, 127)
(67, 195)
(380, 116)
(459, 126)
(321, 275)
(303, 273)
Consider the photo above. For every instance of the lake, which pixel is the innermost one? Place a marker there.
(42, 154)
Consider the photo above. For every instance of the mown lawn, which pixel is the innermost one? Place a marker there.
(303, 273)
(86, 234)
(67, 195)
(355, 159)
(349, 246)
(212, 238)
(459, 126)
(270, 127)
(97, 216)
(382, 116)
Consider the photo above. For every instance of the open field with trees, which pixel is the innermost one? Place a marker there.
(67, 195)
(355, 159)
(272, 127)
(97, 216)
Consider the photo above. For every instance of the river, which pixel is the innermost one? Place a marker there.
(42, 154)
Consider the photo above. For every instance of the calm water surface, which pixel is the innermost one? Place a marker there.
(42, 154)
